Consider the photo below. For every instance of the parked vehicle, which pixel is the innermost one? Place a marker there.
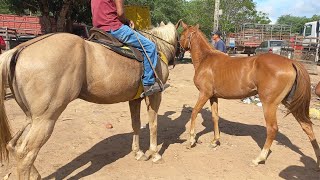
(311, 30)
(271, 46)
(249, 36)
(306, 47)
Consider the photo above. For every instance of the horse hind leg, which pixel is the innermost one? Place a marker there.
(16, 141)
(307, 128)
(272, 129)
(26, 152)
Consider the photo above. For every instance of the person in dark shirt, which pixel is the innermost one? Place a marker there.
(218, 43)
(109, 16)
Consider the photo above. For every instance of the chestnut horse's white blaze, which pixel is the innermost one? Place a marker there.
(52, 72)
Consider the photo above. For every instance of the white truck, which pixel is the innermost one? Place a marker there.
(305, 47)
(311, 40)
(311, 30)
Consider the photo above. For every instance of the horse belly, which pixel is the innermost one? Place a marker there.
(113, 83)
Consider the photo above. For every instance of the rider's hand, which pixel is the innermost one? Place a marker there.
(131, 24)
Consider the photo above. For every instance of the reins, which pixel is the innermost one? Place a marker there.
(156, 37)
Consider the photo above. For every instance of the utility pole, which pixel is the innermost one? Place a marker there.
(216, 15)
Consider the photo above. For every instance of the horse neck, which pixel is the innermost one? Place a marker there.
(199, 49)
(164, 46)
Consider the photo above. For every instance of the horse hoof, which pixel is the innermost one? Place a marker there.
(139, 156)
(190, 145)
(157, 159)
(254, 163)
(257, 161)
(148, 154)
(214, 144)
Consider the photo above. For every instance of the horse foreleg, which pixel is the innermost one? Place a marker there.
(135, 106)
(153, 103)
(200, 103)
(215, 118)
(27, 151)
(272, 129)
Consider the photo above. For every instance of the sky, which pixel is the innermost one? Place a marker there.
(276, 8)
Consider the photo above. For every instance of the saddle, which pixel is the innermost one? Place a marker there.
(100, 36)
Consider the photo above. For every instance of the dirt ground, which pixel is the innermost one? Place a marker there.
(81, 147)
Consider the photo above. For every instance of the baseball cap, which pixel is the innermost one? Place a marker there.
(216, 32)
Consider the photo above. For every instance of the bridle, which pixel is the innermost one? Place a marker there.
(189, 42)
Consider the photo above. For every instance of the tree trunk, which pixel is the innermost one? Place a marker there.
(45, 20)
(62, 17)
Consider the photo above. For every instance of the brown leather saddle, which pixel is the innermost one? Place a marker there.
(100, 36)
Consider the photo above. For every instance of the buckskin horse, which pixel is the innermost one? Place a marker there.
(52, 71)
(274, 78)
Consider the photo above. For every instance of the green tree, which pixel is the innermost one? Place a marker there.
(296, 22)
(61, 10)
(234, 14)
(4, 8)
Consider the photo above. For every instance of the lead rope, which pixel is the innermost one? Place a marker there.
(153, 69)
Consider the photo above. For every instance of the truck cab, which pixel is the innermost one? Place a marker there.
(311, 30)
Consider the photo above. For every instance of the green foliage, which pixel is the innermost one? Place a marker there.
(4, 8)
(296, 22)
(234, 14)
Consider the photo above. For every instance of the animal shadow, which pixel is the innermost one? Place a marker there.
(118, 146)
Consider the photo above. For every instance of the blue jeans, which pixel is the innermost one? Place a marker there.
(126, 35)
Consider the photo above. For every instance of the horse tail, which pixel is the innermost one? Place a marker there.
(5, 133)
(298, 100)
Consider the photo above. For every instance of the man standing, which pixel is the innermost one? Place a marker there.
(2, 44)
(109, 16)
(218, 43)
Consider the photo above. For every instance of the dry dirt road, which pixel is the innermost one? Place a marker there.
(81, 147)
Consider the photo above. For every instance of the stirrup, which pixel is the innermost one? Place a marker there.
(155, 88)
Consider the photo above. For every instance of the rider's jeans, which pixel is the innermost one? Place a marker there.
(126, 35)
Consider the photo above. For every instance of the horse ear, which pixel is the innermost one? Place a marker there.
(197, 26)
(162, 24)
(184, 25)
(178, 23)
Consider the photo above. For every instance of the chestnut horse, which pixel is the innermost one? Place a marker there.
(53, 70)
(275, 78)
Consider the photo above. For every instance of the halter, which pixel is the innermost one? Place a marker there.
(189, 38)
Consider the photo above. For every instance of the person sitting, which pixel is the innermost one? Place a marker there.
(109, 16)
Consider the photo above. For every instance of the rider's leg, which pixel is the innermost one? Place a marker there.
(126, 35)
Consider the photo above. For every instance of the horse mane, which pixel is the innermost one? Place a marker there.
(168, 34)
(207, 44)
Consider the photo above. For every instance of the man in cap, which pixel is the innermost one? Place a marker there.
(218, 43)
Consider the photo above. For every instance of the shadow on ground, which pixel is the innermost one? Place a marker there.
(118, 146)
